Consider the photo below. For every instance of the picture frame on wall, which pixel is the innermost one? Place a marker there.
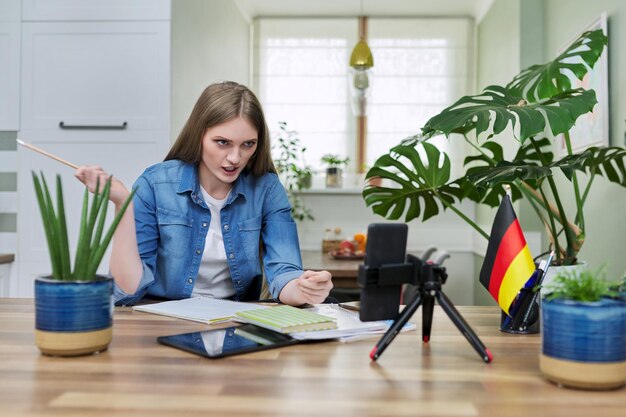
(591, 129)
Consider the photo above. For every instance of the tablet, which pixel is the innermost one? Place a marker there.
(228, 341)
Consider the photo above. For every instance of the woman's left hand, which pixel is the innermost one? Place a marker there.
(312, 287)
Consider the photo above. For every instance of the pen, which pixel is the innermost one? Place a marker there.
(526, 316)
(523, 301)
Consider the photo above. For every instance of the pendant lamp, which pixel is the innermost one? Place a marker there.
(361, 62)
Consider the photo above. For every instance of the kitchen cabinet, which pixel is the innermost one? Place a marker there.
(90, 10)
(10, 68)
(96, 75)
(95, 90)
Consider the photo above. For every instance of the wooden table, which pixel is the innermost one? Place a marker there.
(344, 272)
(138, 377)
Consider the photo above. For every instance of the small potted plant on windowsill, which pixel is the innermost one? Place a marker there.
(73, 308)
(583, 329)
(334, 169)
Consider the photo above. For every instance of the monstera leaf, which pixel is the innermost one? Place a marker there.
(607, 162)
(496, 104)
(507, 172)
(482, 179)
(491, 155)
(540, 82)
(422, 183)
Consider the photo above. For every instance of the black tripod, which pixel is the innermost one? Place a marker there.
(430, 278)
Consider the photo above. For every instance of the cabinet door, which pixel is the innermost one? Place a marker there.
(99, 75)
(9, 75)
(125, 161)
(96, 10)
(10, 10)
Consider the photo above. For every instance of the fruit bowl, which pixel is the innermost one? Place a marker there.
(341, 254)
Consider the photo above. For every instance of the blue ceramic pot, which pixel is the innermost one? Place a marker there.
(584, 343)
(73, 317)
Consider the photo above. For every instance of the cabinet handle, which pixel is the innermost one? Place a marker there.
(122, 126)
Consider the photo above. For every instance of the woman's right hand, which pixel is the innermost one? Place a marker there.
(89, 174)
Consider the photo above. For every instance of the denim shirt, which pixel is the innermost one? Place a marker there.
(172, 221)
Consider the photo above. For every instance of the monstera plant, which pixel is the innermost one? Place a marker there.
(417, 174)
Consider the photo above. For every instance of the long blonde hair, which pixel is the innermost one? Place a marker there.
(218, 104)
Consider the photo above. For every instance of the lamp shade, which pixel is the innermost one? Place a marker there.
(361, 56)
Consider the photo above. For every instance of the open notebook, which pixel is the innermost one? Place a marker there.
(202, 309)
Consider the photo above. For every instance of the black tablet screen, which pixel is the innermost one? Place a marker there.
(228, 341)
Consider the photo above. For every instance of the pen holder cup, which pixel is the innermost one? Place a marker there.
(524, 318)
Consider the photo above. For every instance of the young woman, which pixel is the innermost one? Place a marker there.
(201, 220)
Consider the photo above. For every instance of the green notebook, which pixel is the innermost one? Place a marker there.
(286, 319)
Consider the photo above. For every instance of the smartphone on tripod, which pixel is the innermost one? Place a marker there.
(386, 244)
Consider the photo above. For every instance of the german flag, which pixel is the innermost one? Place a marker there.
(508, 263)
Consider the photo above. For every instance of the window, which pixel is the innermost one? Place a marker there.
(301, 75)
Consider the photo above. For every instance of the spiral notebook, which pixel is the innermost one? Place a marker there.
(286, 319)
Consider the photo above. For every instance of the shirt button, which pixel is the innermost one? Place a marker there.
(190, 281)
(225, 227)
(204, 224)
(198, 251)
(232, 256)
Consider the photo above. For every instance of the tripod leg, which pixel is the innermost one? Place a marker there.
(463, 327)
(427, 317)
(395, 328)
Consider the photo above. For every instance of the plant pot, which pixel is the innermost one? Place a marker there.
(553, 271)
(73, 317)
(334, 177)
(584, 343)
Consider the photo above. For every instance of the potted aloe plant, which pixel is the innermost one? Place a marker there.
(583, 332)
(540, 97)
(73, 307)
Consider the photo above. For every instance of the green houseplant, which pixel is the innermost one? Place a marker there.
(74, 306)
(539, 98)
(296, 175)
(334, 169)
(583, 331)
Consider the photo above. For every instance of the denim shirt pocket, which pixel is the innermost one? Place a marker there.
(250, 235)
(174, 231)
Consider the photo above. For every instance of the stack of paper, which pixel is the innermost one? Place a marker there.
(349, 326)
(209, 310)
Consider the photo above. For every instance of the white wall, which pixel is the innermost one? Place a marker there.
(604, 212)
(210, 43)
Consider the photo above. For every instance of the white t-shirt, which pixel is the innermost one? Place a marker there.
(214, 275)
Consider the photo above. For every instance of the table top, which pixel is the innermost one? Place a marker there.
(138, 377)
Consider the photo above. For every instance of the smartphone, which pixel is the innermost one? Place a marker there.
(229, 341)
(386, 244)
